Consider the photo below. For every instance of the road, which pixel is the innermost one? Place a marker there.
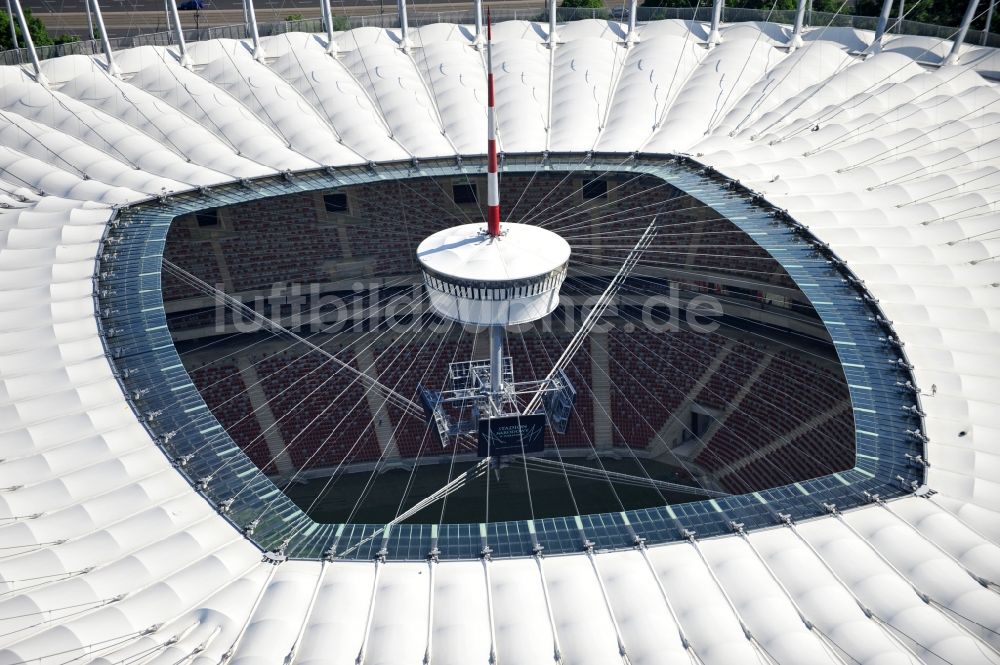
(131, 17)
(277, 6)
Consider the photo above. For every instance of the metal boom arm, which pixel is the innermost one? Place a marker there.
(599, 308)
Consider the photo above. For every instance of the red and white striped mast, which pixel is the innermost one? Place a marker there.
(492, 181)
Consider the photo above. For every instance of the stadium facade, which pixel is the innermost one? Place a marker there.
(869, 174)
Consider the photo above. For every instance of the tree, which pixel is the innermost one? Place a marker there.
(39, 35)
(589, 9)
(667, 3)
(830, 6)
(741, 4)
(937, 12)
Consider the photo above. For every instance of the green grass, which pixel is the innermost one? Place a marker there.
(508, 494)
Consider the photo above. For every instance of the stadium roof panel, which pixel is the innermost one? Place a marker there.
(111, 553)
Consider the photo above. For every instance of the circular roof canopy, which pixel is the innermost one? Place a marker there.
(112, 556)
(467, 253)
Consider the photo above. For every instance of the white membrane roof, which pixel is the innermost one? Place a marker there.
(467, 253)
(107, 555)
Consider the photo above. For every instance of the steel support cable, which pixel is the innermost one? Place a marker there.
(270, 399)
(397, 399)
(428, 85)
(670, 250)
(205, 114)
(721, 422)
(245, 625)
(562, 464)
(32, 138)
(843, 66)
(989, 174)
(859, 130)
(82, 536)
(120, 87)
(57, 98)
(272, 333)
(717, 112)
(670, 97)
(389, 222)
(615, 79)
(896, 153)
(373, 97)
(89, 649)
(691, 287)
(924, 597)
(427, 427)
(868, 612)
(326, 113)
(779, 436)
(477, 470)
(590, 442)
(145, 654)
(736, 271)
(788, 73)
(645, 241)
(965, 618)
(597, 456)
(614, 218)
(207, 595)
(363, 400)
(569, 485)
(598, 310)
(520, 197)
(840, 108)
(331, 480)
(263, 107)
(729, 602)
(246, 389)
(588, 206)
(545, 464)
(685, 643)
(363, 495)
(795, 604)
(287, 447)
(616, 215)
(670, 451)
(468, 220)
(454, 451)
(527, 479)
(951, 216)
(736, 302)
(656, 430)
(925, 172)
(536, 211)
(840, 69)
(622, 651)
(562, 215)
